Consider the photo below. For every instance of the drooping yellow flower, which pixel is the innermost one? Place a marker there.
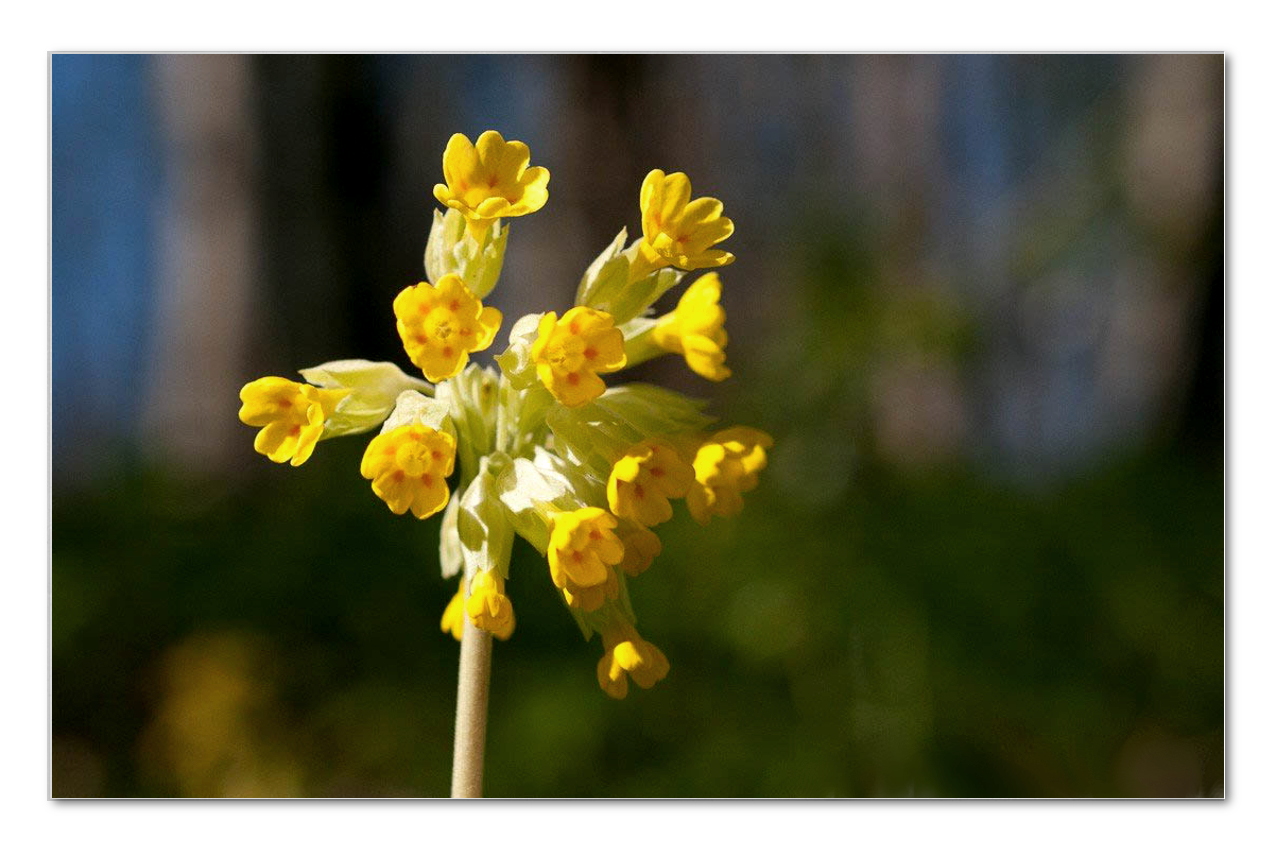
(642, 547)
(572, 352)
(408, 467)
(678, 232)
(581, 553)
(490, 180)
(591, 598)
(645, 480)
(451, 620)
(291, 414)
(488, 606)
(695, 329)
(625, 653)
(727, 464)
(442, 324)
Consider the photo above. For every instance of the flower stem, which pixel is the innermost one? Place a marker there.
(473, 710)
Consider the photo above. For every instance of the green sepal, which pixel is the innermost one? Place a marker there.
(450, 249)
(636, 298)
(578, 617)
(485, 531)
(652, 410)
(516, 362)
(638, 342)
(597, 434)
(450, 547)
(607, 285)
(414, 408)
(374, 387)
(472, 398)
(532, 490)
(606, 276)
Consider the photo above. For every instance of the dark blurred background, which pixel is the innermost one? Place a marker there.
(978, 303)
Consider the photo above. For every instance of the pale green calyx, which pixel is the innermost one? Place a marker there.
(450, 547)
(373, 387)
(531, 490)
(607, 286)
(413, 409)
(451, 250)
(515, 361)
(484, 529)
(597, 434)
(472, 398)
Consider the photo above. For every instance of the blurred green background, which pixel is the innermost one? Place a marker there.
(978, 304)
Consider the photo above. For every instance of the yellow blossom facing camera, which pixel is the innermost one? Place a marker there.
(645, 480)
(581, 553)
(571, 352)
(291, 414)
(727, 465)
(488, 606)
(451, 620)
(408, 467)
(490, 180)
(678, 232)
(695, 329)
(625, 653)
(442, 324)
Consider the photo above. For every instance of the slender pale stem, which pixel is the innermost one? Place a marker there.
(473, 711)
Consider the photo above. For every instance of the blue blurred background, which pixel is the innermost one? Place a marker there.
(978, 303)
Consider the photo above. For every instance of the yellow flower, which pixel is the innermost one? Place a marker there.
(644, 481)
(696, 329)
(442, 324)
(625, 653)
(451, 621)
(642, 547)
(488, 606)
(727, 465)
(581, 553)
(490, 179)
(678, 232)
(291, 415)
(591, 598)
(571, 352)
(408, 466)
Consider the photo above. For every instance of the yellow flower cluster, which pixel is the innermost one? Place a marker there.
(541, 449)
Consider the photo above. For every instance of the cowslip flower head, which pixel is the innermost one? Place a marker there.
(408, 466)
(291, 415)
(581, 552)
(442, 324)
(679, 232)
(488, 606)
(571, 352)
(538, 448)
(451, 619)
(625, 653)
(490, 180)
(727, 464)
(645, 480)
